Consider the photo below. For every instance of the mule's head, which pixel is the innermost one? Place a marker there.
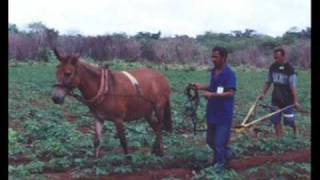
(67, 76)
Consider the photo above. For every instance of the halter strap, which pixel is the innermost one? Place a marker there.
(103, 88)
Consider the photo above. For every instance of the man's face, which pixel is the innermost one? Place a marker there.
(217, 59)
(279, 57)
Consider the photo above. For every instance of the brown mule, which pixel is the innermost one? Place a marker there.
(116, 96)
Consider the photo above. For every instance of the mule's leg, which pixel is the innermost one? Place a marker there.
(157, 128)
(98, 137)
(121, 134)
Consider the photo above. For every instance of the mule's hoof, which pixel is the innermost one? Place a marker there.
(158, 152)
(128, 157)
(97, 153)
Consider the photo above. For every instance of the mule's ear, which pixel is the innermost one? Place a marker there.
(58, 55)
(75, 59)
(76, 56)
(106, 66)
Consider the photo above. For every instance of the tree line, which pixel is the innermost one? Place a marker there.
(245, 47)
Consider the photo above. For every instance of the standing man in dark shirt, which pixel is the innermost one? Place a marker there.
(220, 94)
(283, 77)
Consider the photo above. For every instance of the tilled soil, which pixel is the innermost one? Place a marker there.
(297, 156)
(185, 173)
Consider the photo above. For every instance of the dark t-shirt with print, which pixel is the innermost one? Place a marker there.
(283, 77)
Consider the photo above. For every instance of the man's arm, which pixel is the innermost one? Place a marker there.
(265, 89)
(202, 86)
(266, 86)
(295, 96)
(210, 95)
(293, 87)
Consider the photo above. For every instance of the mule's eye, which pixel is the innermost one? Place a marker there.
(67, 74)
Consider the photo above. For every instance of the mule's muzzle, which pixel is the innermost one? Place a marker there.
(58, 94)
(57, 100)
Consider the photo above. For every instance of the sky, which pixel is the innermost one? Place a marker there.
(171, 17)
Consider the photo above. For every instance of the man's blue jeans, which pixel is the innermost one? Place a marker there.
(217, 138)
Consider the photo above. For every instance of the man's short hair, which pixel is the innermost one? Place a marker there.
(279, 50)
(222, 51)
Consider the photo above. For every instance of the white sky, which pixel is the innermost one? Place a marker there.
(171, 17)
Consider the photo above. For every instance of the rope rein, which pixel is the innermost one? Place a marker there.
(192, 94)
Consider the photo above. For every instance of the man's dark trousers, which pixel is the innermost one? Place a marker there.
(217, 138)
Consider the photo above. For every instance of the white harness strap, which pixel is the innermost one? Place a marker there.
(288, 115)
(131, 78)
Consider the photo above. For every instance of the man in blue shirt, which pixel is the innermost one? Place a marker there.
(220, 94)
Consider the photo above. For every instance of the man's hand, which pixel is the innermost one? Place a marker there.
(297, 105)
(207, 94)
(261, 97)
(198, 86)
(201, 87)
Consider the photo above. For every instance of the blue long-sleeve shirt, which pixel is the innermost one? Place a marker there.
(220, 110)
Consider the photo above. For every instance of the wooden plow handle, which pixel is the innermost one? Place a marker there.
(252, 108)
(267, 116)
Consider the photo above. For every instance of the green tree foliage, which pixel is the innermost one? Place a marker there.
(294, 34)
(246, 46)
(13, 28)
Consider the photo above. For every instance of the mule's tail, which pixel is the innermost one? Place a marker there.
(167, 117)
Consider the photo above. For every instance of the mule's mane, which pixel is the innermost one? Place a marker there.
(90, 67)
(95, 71)
(87, 63)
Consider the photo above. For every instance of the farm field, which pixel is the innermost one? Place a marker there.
(49, 141)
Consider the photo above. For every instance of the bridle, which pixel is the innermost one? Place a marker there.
(98, 98)
(64, 85)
